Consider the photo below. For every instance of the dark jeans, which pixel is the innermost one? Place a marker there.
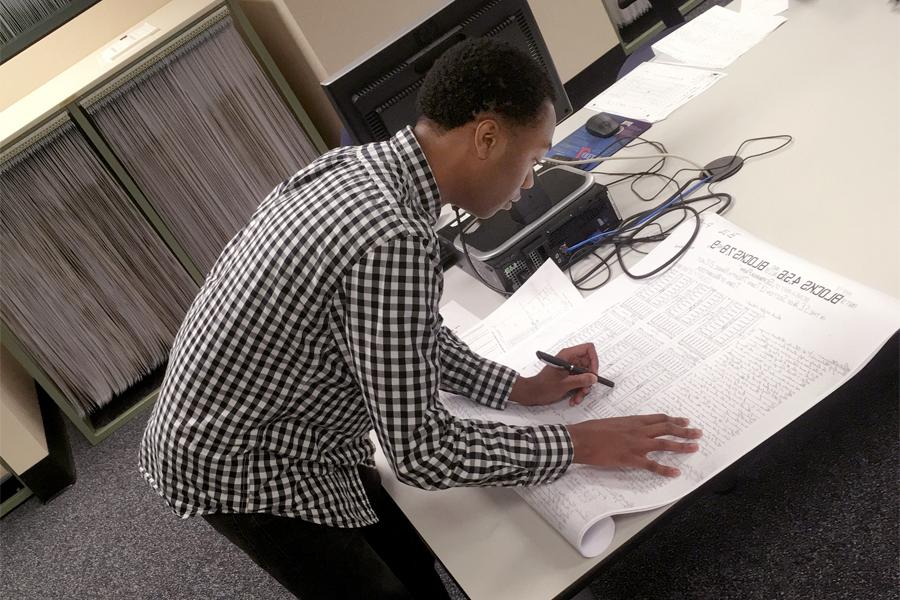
(385, 560)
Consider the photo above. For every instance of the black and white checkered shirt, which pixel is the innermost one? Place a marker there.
(318, 323)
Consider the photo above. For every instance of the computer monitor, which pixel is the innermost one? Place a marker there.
(376, 96)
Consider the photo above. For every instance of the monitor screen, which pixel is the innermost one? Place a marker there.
(376, 97)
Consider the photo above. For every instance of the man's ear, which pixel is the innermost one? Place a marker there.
(488, 137)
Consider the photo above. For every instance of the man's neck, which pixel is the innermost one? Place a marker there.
(442, 150)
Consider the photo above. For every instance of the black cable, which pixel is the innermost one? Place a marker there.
(783, 136)
(677, 255)
(787, 139)
(627, 236)
(657, 237)
(653, 171)
(631, 239)
(628, 139)
(590, 274)
(651, 174)
(723, 199)
(603, 263)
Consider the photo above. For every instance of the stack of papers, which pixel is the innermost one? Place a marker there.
(716, 38)
(653, 90)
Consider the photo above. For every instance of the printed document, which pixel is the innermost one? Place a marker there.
(738, 336)
(653, 90)
(546, 293)
(716, 38)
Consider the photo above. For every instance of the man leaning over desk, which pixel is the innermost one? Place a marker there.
(319, 322)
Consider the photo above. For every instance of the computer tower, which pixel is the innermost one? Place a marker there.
(564, 207)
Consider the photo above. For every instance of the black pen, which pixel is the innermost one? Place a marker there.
(574, 370)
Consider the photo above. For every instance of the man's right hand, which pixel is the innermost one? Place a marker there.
(626, 441)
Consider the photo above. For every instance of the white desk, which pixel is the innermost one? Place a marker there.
(830, 77)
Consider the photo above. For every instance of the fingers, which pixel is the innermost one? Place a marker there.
(672, 446)
(661, 418)
(581, 384)
(558, 377)
(577, 397)
(659, 469)
(672, 428)
(656, 425)
(581, 381)
(623, 442)
(583, 355)
(659, 445)
(592, 358)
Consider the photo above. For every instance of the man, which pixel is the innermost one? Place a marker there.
(319, 322)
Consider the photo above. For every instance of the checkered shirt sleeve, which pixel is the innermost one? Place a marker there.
(465, 373)
(390, 322)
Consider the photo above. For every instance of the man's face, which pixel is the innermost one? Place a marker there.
(506, 156)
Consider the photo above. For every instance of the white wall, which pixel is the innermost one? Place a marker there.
(67, 45)
(312, 40)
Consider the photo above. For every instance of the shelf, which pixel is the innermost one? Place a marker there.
(59, 99)
(12, 493)
(55, 471)
(94, 428)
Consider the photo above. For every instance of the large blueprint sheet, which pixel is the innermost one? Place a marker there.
(738, 336)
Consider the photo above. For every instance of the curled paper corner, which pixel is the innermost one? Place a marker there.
(597, 537)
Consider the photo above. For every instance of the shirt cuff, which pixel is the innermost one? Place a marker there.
(493, 385)
(554, 453)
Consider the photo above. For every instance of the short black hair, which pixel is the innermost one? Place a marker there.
(484, 75)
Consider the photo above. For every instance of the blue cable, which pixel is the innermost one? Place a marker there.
(605, 234)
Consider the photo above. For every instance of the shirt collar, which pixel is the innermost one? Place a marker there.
(419, 171)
